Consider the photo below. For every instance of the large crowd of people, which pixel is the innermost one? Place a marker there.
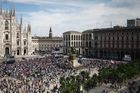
(37, 75)
(41, 75)
(99, 63)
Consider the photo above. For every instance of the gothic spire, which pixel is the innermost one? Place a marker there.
(29, 28)
(11, 11)
(21, 20)
(1, 11)
(14, 11)
(21, 24)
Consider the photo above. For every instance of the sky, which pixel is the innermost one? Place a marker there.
(73, 15)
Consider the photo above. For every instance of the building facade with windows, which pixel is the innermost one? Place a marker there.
(115, 43)
(72, 39)
(87, 37)
(133, 22)
(15, 38)
(47, 44)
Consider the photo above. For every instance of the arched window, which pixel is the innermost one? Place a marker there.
(7, 51)
(6, 25)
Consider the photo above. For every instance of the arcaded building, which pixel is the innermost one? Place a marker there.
(15, 38)
(72, 39)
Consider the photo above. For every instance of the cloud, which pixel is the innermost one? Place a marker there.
(125, 3)
(73, 3)
(61, 21)
(88, 16)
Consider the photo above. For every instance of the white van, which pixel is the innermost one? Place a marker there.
(127, 58)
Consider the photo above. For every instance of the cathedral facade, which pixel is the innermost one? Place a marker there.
(15, 38)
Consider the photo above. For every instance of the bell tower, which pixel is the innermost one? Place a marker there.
(50, 33)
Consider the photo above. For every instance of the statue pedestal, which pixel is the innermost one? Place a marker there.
(75, 63)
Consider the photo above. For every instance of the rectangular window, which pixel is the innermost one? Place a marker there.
(17, 35)
(17, 42)
(6, 37)
(24, 42)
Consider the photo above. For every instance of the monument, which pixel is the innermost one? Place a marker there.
(72, 58)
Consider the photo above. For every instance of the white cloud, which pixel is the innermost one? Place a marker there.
(96, 16)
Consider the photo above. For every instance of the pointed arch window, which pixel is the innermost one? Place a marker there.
(6, 25)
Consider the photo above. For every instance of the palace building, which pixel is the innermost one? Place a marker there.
(112, 43)
(47, 44)
(15, 38)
